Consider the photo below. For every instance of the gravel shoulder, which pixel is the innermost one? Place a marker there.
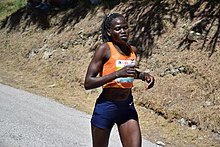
(32, 120)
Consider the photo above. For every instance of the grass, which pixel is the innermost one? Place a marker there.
(7, 7)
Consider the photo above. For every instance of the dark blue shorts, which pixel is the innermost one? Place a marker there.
(106, 113)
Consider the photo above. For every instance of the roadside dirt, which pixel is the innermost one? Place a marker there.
(50, 57)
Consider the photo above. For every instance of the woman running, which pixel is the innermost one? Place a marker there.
(114, 62)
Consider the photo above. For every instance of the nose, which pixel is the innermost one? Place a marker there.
(123, 30)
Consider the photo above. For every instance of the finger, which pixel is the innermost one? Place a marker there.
(132, 66)
(136, 67)
(151, 83)
(131, 69)
(147, 85)
(131, 72)
(149, 79)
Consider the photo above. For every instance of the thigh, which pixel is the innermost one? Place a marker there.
(100, 137)
(104, 114)
(130, 133)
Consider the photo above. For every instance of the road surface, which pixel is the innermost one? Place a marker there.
(28, 120)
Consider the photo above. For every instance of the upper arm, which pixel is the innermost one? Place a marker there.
(97, 62)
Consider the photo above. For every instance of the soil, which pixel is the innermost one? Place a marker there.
(48, 53)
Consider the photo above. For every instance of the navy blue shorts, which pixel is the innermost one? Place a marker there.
(106, 113)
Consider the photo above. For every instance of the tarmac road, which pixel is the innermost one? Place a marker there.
(28, 120)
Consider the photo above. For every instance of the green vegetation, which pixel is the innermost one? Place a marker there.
(9, 6)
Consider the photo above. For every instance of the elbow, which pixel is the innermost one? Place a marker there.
(87, 86)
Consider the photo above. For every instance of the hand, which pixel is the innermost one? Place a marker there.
(148, 78)
(127, 71)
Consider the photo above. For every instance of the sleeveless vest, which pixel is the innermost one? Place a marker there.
(116, 62)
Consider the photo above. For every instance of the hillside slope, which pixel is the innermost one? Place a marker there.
(48, 53)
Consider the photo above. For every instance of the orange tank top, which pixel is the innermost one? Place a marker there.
(116, 62)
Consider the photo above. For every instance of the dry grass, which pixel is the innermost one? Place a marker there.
(40, 62)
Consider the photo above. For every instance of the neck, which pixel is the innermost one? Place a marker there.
(123, 48)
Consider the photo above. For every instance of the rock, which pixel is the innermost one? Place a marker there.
(182, 122)
(208, 103)
(160, 143)
(47, 54)
(193, 127)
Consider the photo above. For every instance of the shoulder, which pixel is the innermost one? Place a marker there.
(103, 48)
(134, 49)
(102, 51)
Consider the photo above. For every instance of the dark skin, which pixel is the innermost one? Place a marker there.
(130, 133)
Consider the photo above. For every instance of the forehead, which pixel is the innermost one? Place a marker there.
(119, 21)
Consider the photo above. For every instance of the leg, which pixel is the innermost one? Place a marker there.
(130, 133)
(100, 137)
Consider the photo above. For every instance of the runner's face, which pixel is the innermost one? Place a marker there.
(119, 31)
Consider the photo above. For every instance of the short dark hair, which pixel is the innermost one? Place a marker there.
(106, 24)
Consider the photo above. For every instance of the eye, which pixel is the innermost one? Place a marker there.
(117, 28)
(125, 28)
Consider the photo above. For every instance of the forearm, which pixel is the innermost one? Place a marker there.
(95, 82)
(140, 75)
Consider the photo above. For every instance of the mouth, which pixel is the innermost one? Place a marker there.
(124, 36)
